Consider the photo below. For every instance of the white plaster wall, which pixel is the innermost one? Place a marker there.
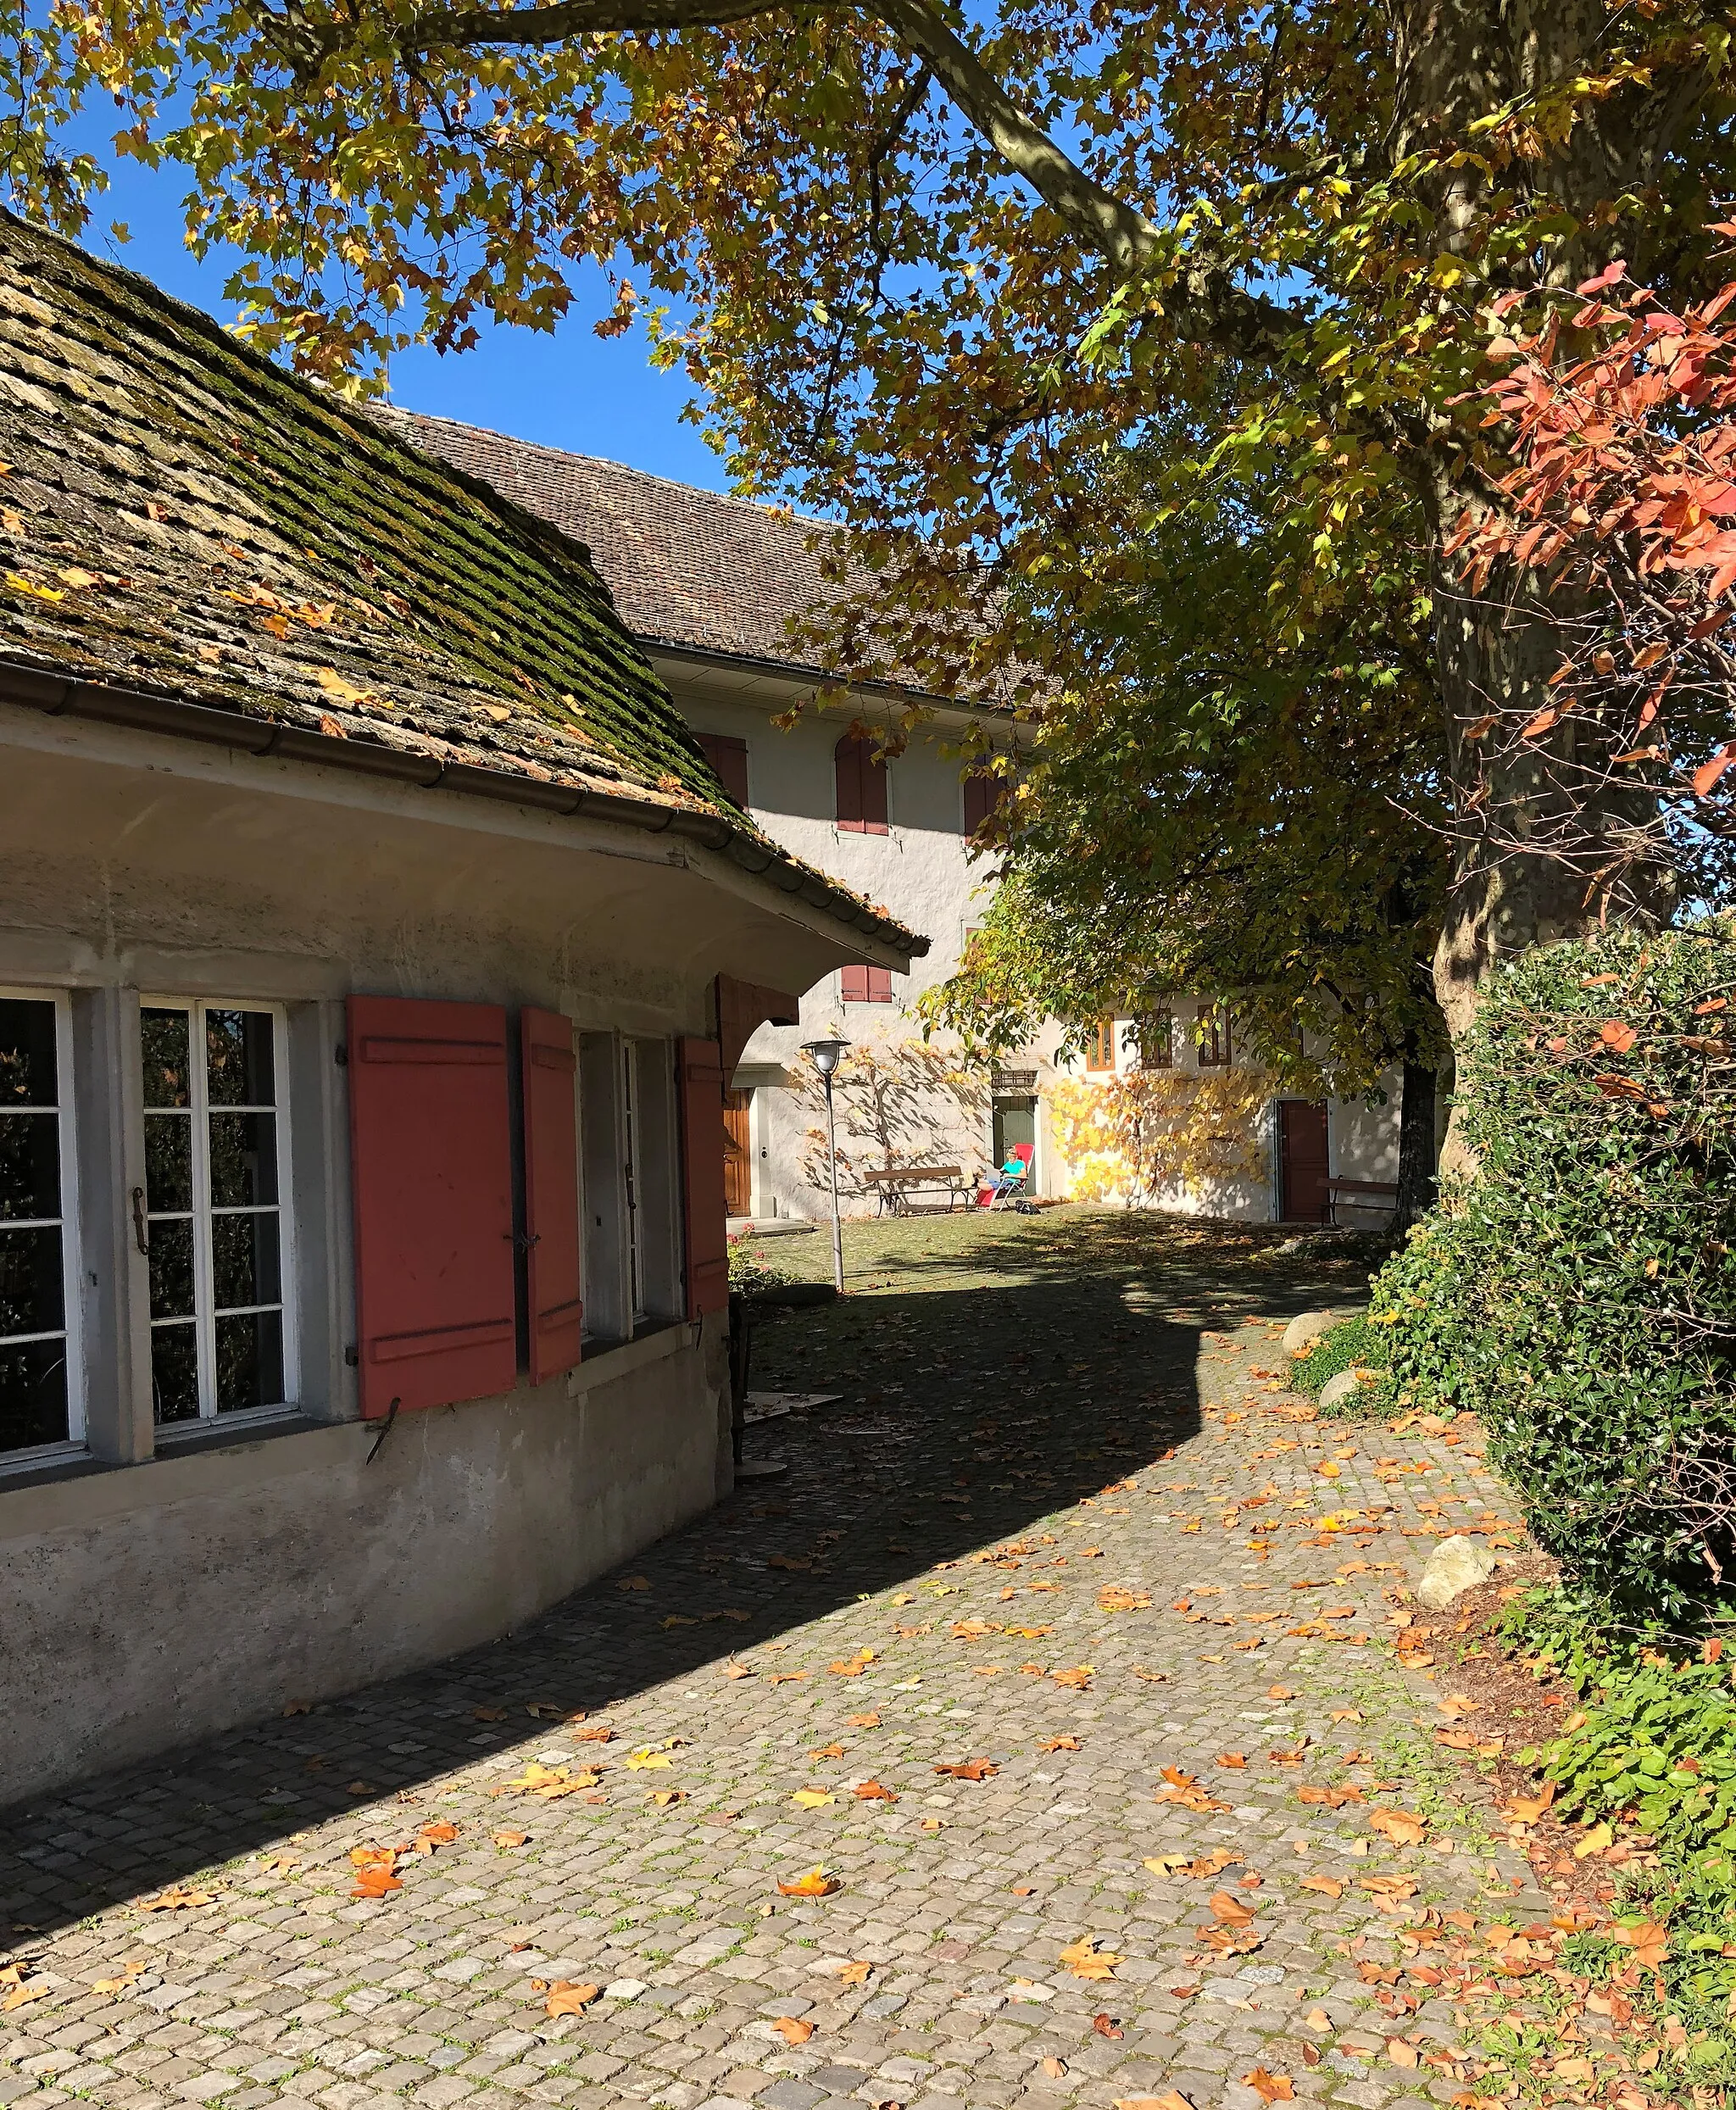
(158, 1603)
(919, 871)
(131, 861)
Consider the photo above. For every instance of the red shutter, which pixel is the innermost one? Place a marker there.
(551, 1191)
(853, 985)
(880, 985)
(705, 1218)
(874, 804)
(847, 768)
(431, 1157)
(728, 757)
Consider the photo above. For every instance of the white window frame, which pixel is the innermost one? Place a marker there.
(71, 1266)
(204, 1315)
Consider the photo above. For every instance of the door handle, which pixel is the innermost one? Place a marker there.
(138, 1221)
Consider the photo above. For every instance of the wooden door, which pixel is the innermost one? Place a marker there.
(1302, 1161)
(738, 1157)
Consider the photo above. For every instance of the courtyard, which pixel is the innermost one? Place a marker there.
(1039, 1737)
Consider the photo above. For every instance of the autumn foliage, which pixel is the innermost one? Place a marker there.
(1620, 513)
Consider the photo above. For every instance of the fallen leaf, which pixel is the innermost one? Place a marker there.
(280, 1861)
(792, 2029)
(1526, 1809)
(1104, 2025)
(871, 1791)
(855, 1973)
(512, 1839)
(1270, 2087)
(1400, 1826)
(970, 1769)
(567, 1997)
(666, 1798)
(815, 1883)
(1172, 2099)
(1085, 1959)
(1318, 2019)
(1230, 1911)
(1347, 1714)
(810, 1798)
(433, 1835)
(827, 1751)
(1060, 1743)
(634, 1582)
(647, 1757)
(1279, 1692)
(1054, 2068)
(1327, 1886)
(1399, 2053)
(177, 1898)
(1232, 1762)
(1649, 1942)
(862, 1721)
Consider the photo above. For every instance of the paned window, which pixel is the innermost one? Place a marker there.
(1100, 1049)
(1156, 1041)
(1214, 1039)
(40, 1402)
(865, 985)
(215, 1171)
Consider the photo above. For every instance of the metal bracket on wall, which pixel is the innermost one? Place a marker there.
(391, 1416)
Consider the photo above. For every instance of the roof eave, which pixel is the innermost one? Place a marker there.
(61, 695)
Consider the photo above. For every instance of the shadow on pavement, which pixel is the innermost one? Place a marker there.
(972, 1411)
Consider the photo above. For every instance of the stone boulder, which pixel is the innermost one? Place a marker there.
(1456, 1565)
(1335, 1390)
(1302, 1333)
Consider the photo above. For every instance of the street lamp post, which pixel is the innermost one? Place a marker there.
(825, 1055)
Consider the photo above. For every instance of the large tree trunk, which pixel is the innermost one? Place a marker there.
(1535, 837)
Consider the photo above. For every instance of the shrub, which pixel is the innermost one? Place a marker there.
(1577, 1291)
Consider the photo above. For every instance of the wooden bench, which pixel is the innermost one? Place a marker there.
(895, 1184)
(1382, 1193)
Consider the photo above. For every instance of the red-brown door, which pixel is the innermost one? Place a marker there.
(737, 1162)
(1302, 1161)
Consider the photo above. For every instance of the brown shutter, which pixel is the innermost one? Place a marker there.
(846, 770)
(548, 1066)
(982, 796)
(728, 757)
(704, 1214)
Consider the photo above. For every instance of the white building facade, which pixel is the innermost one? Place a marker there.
(710, 586)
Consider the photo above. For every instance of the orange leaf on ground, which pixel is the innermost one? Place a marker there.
(177, 1898)
(1649, 1942)
(862, 1721)
(1526, 1809)
(566, 1997)
(1230, 1911)
(854, 1974)
(1270, 2087)
(1054, 2068)
(871, 1791)
(1400, 1826)
(1085, 1959)
(1104, 2025)
(1234, 1761)
(1172, 2099)
(512, 1839)
(970, 1769)
(792, 2029)
(815, 1883)
(22, 1996)
(1060, 1743)
(1327, 1886)
(1399, 2053)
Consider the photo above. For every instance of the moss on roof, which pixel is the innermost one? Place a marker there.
(180, 515)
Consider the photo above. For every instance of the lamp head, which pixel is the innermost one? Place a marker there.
(825, 1054)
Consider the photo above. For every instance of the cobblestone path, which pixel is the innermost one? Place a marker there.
(1057, 1538)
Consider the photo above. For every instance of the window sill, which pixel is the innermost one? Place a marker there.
(178, 1439)
(602, 1361)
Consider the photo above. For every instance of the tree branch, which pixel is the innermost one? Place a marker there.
(1203, 299)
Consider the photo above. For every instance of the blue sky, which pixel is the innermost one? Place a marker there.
(567, 389)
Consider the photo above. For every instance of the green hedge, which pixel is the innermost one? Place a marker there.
(1577, 1291)
(1351, 1345)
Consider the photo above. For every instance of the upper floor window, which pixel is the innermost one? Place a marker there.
(865, 985)
(1156, 1033)
(1215, 1037)
(861, 786)
(40, 1402)
(728, 757)
(1100, 1049)
(212, 1210)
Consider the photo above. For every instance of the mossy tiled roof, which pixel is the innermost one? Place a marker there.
(182, 517)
